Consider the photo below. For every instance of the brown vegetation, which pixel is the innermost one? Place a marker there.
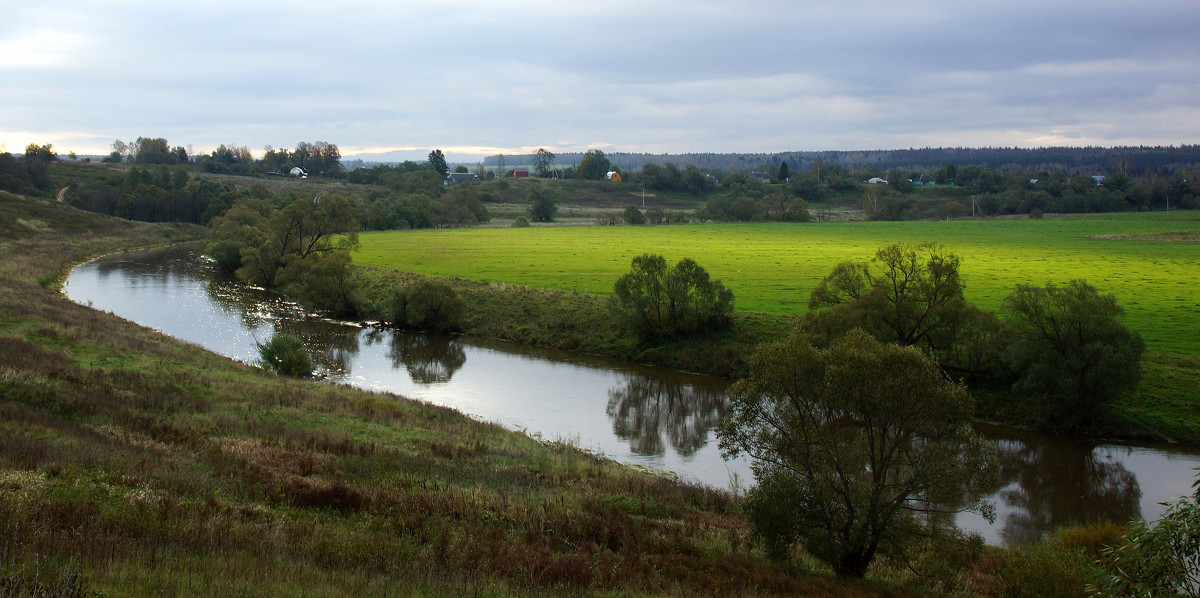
(133, 464)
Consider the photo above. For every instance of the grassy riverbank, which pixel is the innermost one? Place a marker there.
(547, 286)
(134, 464)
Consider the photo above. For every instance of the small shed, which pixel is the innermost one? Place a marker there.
(520, 173)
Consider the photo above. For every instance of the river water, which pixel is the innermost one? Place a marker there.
(643, 416)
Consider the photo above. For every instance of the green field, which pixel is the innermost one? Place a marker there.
(772, 267)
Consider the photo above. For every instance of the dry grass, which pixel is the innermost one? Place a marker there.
(132, 464)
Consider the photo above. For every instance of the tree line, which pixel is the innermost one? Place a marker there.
(859, 424)
(1072, 160)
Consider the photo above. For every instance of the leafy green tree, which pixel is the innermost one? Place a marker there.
(1070, 349)
(852, 446)
(437, 160)
(807, 187)
(37, 160)
(654, 302)
(543, 161)
(428, 304)
(696, 181)
(543, 208)
(325, 282)
(1163, 560)
(908, 294)
(285, 355)
(897, 179)
(153, 151)
(460, 207)
(632, 215)
(785, 208)
(593, 165)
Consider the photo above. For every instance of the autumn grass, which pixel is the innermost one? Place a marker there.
(132, 464)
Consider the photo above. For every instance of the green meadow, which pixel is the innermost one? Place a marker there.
(1150, 261)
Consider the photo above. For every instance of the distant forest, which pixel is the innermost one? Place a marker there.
(1071, 160)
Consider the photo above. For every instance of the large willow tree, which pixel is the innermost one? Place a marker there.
(854, 447)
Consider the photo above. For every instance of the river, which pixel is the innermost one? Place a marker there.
(647, 417)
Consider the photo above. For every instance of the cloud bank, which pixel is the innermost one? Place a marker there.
(482, 77)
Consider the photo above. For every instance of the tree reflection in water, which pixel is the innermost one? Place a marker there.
(644, 410)
(1054, 483)
(429, 358)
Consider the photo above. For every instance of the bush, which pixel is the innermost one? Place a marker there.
(543, 207)
(1163, 560)
(633, 215)
(428, 305)
(1070, 350)
(285, 355)
(520, 222)
(1046, 569)
(654, 302)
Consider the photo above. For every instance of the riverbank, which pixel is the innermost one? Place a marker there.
(134, 464)
(1164, 408)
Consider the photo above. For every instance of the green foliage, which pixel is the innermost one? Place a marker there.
(1070, 349)
(428, 304)
(520, 222)
(632, 215)
(910, 294)
(593, 165)
(437, 161)
(285, 355)
(543, 207)
(844, 440)
(1163, 560)
(461, 207)
(1047, 569)
(325, 282)
(654, 302)
(543, 160)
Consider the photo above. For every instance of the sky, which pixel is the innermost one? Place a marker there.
(479, 78)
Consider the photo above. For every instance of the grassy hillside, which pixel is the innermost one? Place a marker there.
(132, 464)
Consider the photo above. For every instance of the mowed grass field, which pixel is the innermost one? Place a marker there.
(772, 267)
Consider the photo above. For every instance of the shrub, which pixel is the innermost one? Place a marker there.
(633, 215)
(1046, 569)
(520, 222)
(543, 207)
(654, 302)
(429, 305)
(1071, 349)
(1163, 560)
(285, 354)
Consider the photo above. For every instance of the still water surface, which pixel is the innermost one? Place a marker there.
(643, 416)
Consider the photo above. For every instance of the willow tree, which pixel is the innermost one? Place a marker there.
(854, 448)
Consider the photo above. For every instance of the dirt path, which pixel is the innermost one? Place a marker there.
(62, 194)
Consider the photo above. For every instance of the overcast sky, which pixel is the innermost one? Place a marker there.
(642, 76)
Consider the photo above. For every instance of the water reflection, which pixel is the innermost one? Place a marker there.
(1052, 482)
(644, 410)
(428, 358)
(647, 416)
